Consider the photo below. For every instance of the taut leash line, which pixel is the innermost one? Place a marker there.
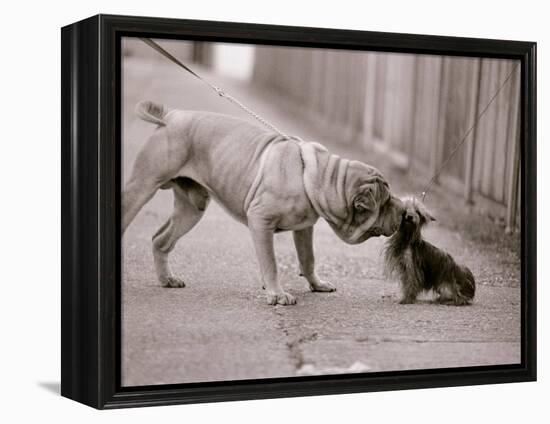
(272, 127)
(217, 89)
(463, 140)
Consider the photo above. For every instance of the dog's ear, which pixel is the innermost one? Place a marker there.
(372, 194)
(425, 214)
(366, 198)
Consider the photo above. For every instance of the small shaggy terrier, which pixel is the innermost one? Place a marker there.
(421, 266)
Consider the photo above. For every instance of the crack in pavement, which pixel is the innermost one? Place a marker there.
(295, 348)
(376, 340)
(294, 344)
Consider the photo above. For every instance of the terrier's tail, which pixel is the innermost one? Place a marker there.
(151, 112)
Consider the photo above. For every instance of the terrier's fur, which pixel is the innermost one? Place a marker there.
(421, 266)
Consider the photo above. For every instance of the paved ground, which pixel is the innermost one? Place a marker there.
(220, 327)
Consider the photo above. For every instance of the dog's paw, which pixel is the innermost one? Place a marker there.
(322, 286)
(172, 282)
(452, 302)
(281, 299)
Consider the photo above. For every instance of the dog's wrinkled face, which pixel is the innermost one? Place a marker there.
(372, 211)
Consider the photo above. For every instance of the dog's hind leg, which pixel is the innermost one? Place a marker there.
(152, 169)
(135, 195)
(190, 201)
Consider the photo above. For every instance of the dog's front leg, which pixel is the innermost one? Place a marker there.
(303, 240)
(262, 238)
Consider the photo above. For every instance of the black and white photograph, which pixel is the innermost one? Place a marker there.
(275, 212)
(298, 211)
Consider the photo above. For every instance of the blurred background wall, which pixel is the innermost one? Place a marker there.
(413, 109)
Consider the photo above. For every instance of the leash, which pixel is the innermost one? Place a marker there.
(269, 125)
(217, 89)
(465, 137)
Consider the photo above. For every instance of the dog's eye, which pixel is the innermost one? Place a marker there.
(360, 206)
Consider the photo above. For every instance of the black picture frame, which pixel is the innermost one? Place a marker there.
(91, 153)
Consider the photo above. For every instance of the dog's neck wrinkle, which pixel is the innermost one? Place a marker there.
(304, 156)
(317, 174)
(263, 156)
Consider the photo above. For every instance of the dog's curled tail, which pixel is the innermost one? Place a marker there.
(151, 112)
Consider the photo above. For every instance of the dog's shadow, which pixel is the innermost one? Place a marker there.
(424, 301)
(437, 302)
